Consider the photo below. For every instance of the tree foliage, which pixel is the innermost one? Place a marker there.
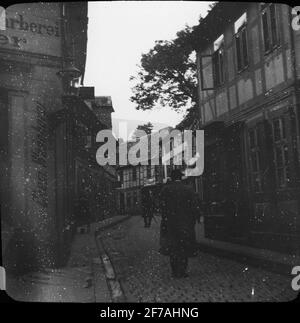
(167, 75)
(147, 128)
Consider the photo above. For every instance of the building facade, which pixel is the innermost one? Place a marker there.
(249, 70)
(146, 173)
(132, 180)
(47, 145)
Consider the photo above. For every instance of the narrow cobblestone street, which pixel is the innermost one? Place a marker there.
(144, 274)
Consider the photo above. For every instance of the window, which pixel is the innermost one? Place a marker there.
(121, 177)
(135, 198)
(126, 178)
(218, 61)
(270, 26)
(148, 171)
(157, 172)
(129, 200)
(255, 161)
(134, 174)
(241, 42)
(281, 153)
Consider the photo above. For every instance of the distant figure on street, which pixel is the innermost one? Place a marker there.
(84, 214)
(147, 207)
(179, 206)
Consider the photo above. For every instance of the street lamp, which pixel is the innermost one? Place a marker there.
(71, 77)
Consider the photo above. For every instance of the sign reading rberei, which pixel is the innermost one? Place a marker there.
(32, 30)
(21, 24)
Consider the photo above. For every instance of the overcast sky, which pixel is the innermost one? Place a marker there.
(119, 33)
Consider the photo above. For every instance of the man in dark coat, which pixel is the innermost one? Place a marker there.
(179, 211)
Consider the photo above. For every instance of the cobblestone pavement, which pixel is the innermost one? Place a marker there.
(145, 274)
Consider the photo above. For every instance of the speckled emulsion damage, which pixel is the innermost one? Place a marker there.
(96, 208)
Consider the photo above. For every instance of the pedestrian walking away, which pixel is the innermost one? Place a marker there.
(179, 212)
(147, 206)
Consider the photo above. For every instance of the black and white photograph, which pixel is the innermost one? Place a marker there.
(150, 153)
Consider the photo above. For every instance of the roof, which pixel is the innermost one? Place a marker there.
(103, 102)
(145, 142)
(189, 119)
(210, 27)
(81, 111)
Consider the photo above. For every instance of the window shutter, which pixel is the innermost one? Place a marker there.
(273, 24)
(238, 51)
(245, 48)
(265, 30)
(206, 72)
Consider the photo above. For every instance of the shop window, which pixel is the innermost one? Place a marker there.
(255, 161)
(281, 150)
(218, 61)
(269, 26)
(241, 42)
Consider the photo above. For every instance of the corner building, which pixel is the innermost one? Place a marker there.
(38, 41)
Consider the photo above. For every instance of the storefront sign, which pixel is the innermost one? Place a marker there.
(27, 29)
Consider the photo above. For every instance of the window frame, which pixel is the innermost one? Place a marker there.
(149, 171)
(218, 66)
(134, 174)
(270, 23)
(241, 43)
